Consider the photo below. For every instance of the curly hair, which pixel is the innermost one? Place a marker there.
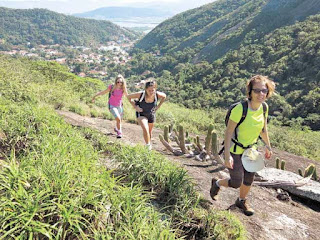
(263, 79)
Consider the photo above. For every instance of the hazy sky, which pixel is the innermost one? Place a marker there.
(77, 6)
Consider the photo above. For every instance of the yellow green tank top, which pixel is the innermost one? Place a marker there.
(250, 129)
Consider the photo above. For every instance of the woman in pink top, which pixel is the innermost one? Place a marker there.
(116, 92)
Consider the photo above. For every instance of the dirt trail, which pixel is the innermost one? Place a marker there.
(273, 219)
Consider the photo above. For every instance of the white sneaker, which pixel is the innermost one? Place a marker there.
(149, 146)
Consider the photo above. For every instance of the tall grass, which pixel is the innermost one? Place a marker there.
(173, 190)
(53, 186)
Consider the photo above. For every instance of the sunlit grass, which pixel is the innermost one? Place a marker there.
(53, 185)
(172, 188)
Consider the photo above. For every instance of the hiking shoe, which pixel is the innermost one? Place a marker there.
(149, 146)
(119, 134)
(214, 190)
(243, 205)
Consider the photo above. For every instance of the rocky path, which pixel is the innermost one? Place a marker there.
(273, 219)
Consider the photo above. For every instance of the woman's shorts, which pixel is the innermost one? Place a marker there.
(151, 117)
(238, 175)
(116, 111)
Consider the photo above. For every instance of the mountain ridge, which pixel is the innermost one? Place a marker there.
(120, 12)
(42, 26)
(214, 29)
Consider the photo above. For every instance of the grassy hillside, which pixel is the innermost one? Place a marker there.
(40, 26)
(53, 178)
(214, 29)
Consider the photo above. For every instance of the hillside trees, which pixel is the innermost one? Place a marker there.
(289, 55)
(40, 26)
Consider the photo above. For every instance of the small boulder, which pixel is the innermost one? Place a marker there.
(290, 182)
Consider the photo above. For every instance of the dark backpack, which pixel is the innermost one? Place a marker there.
(110, 94)
(245, 106)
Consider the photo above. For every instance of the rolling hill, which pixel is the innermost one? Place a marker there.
(207, 54)
(216, 28)
(138, 19)
(124, 12)
(40, 26)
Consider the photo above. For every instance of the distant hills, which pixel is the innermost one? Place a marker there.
(40, 26)
(214, 29)
(124, 12)
(130, 17)
(203, 57)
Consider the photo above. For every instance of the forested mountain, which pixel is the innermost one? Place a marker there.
(290, 55)
(40, 26)
(214, 29)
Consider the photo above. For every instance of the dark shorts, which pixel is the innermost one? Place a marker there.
(151, 117)
(238, 174)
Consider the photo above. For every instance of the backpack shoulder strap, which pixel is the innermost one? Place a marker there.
(110, 92)
(245, 106)
(142, 96)
(244, 112)
(264, 105)
(156, 97)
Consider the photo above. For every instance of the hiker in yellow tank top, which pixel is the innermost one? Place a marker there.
(249, 130)
(238, 138)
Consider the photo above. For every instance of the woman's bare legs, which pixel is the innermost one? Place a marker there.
(118, 118)
(244, 190)
(143, 122)
(150, 129)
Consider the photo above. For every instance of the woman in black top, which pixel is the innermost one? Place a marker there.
(146, 108)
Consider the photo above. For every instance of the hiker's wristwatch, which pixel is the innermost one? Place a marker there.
(269, 148)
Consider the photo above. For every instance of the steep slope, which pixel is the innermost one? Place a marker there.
(174, 31)
(290, 55)
(40, 26)
(214, 29)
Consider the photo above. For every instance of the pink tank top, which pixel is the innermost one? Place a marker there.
(116, 97)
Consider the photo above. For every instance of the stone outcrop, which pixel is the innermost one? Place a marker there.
(289, 181)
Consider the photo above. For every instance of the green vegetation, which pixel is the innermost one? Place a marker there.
(295, 139)
(174, 190)
(52, 185)
(55, 185)
(182, 27)
(288, 55)
(40, 26)
(214, 29)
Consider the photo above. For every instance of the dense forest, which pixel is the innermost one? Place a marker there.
(214, 29)
(40, 26)
(289, 55)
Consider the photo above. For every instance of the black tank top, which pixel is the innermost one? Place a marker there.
(148, 108)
